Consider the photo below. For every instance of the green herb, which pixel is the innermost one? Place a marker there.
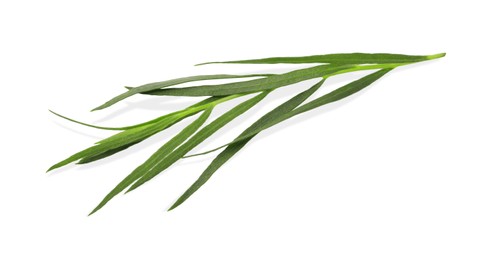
(193, 135)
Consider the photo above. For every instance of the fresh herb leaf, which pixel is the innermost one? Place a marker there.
(340, 58)
(164, 150)
(198, 138)
(168, 83)
(242, 140)
(276, 116)
(256, 85)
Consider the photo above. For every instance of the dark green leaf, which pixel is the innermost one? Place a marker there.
(341, 58)
(251, 131)
(168, 83)
(247, 135)
(137, 134)
(199, 137)
(119, 140)
(335, 95)
(256, 85)
(104, 154)
(167, 148)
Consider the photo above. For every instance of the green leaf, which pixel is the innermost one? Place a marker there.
(276, 118)
(118, 140)
(255, 85)
(168, 83)
(335, 95)
(199, 137)
(162, 152)
(251, 131)
(137, 134)
(104, 154)
(340, 58)
(105, 127)
(201, 103)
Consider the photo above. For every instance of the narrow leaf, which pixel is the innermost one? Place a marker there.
(168, 83)
(255, 85)
(340, 58)
(201, 103)
(137, 134)
(104, 154)
(199, 137)
(164, 150)
(245, 137)
(119, 140)
(251, 131)
(335, 95)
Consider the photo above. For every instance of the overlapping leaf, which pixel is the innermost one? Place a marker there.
(278, 115)
(168, 83)
(199, 138)
(166, 149)
(137, 133)
(245, 137)
(256, 85)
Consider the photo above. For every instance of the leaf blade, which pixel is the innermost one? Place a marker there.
(128, 136)
(333, 96)
(256, 85)
(339, 58)
(168, 83)
(121, 139)
(251, 132)
(164, 150)
(243, 139)
(199, 137)
(103, 155)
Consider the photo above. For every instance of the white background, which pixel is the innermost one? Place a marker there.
(403, 170)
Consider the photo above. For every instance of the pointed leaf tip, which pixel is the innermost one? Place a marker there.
(436, 56)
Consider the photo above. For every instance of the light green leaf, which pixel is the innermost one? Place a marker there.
(201, 103)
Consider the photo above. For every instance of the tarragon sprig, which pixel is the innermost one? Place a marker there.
(260, 86)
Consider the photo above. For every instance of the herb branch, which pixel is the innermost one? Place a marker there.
(259, 85)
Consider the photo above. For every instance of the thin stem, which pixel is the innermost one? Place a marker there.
(192, 110)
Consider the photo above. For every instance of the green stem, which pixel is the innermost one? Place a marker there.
(192, 110)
